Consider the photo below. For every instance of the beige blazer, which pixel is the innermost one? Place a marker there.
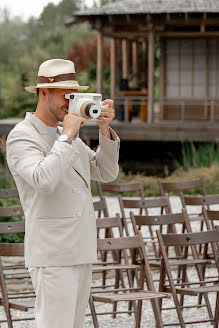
(53, 181)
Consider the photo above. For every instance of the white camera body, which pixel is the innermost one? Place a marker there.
(86, 105)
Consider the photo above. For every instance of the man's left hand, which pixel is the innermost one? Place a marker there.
(106, 116)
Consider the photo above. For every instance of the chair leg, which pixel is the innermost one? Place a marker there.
(116, 286)
(157, 313)
(216, 318)
(139, 312)
(93, 312)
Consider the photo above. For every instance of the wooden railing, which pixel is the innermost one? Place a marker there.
(166, 110)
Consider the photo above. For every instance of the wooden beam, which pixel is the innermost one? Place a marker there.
(125, 61)
(100, 41)
(188, 34)
(113, 68)
(150, 74)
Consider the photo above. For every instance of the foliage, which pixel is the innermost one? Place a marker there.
(25, 45)
(202, 155)
(150, 184)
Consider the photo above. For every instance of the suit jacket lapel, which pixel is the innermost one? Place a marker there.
(42, 128)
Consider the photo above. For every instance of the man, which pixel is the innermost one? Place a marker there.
(52, 169)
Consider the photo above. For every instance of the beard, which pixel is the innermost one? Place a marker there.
(57, 112)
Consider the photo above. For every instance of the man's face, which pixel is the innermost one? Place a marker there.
(57, 104)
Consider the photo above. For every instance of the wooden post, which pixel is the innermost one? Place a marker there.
(144, 75)
(125, 61)
(113, 68)
(150, 74)
(100, 41)
(135, 59)
(162, 78)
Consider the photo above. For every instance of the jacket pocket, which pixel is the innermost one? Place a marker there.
(58, 236)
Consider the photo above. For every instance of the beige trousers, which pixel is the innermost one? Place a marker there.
(62, 295)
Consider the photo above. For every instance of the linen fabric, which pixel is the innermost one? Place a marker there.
(62, 295)
(53, 181)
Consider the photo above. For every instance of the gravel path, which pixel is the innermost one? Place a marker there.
(124, 321)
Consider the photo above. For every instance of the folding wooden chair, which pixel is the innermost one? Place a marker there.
(198, 200)
(111, 223)
(20, 300)
(180, 186)
(200, 286)
(165, 223)
(211, 219)
(10, 214)
(143, 206)
(137, 293)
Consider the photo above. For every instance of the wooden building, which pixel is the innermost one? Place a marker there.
(170, 50)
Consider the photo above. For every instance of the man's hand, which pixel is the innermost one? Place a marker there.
(71, 124)
(106, 116)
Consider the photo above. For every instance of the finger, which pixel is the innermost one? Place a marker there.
(108, 102)
(107, 115)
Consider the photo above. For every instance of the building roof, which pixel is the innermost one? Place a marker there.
(153, 7)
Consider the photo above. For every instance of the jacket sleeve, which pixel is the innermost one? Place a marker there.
(26, 158)
(104, 162)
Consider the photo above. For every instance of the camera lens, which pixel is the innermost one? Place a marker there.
(95, 111)
(72, 96)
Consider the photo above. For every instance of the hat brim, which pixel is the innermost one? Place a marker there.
(56, 85)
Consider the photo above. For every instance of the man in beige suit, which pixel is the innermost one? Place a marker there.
(52, 169)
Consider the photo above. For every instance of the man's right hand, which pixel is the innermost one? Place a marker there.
(71, 124)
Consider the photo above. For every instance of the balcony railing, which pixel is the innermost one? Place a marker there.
(134, 108)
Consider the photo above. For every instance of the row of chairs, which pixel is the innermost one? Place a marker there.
(110, 243)
(171, 220)
(137, 293)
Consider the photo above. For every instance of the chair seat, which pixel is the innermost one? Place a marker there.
(196, 290)
(135, 296)
(157, 263)
(114, 267)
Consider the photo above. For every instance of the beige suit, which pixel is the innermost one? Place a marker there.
(53, 181)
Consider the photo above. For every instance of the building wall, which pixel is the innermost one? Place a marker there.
(192, 68)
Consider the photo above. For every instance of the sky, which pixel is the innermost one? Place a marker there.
(27, 8)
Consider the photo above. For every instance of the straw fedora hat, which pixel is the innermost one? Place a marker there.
(57, 73)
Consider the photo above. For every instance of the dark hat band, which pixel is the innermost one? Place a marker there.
(57, 78)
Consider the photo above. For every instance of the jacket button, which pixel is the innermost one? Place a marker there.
(74, 189)
(78, 213)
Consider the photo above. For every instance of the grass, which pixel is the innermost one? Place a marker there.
(150, 184)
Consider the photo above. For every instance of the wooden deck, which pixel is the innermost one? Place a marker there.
(137, 131)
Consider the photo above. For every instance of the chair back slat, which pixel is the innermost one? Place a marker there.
(144, 203)
(11, 211)
(9, 193)
(121, 187)
(212, 215)
(16, 249)
(182, 185)
(12, 227)
(201, 200)
(109, 244)
(164, 219)
(106, 223)
(188, 239)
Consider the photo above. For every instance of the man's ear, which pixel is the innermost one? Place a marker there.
(43, 92)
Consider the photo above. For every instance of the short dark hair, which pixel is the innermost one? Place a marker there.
(37, 91)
